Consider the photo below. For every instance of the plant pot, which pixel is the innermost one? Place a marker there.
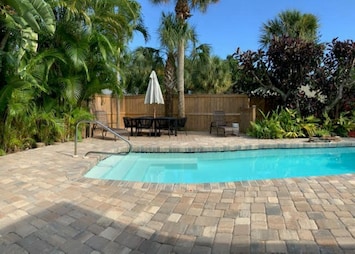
(351, 134)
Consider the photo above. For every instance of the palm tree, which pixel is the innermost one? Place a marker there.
(291, 23)
(170, 32)
(91, 36)
(206, 73)
(141, 62)
(183, 12)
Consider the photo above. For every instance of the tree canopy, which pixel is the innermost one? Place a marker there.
(312, 77)
(306, 76)
(290, 23)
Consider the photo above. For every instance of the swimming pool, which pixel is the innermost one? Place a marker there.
(212, 167)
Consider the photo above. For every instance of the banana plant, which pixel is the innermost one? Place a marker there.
(22, 22)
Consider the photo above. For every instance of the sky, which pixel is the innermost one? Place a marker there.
(230, 24)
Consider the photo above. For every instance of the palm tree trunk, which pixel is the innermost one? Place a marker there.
(169, 81)
(180, 78)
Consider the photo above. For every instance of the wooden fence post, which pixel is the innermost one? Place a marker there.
(253, 113)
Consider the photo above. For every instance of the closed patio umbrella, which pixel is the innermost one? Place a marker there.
(153, 94)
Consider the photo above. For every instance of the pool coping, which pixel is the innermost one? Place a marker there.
(263, 144)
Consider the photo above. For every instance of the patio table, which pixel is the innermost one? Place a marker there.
(158, 124)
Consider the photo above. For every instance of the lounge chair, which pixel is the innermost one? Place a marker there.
(218, 121)
(101, 116)
(225, 130)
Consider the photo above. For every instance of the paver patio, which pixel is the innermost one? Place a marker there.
(46, 205)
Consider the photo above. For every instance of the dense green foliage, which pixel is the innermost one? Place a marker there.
(54, 55)
(303, 75)
(288, 123)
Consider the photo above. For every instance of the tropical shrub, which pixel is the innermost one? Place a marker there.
(46, 127)
(71, 119)
(340, 126)
(310, 125)
(268, 127)
(284, 123)
(344, 124)
(287, 123)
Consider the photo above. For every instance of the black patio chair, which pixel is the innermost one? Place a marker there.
(144, 123)
(163, 124)
(180, 124)
(130, 124)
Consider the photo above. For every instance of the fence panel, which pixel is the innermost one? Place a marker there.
(199, 109)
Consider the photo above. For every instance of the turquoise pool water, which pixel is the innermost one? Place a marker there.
(232, 166)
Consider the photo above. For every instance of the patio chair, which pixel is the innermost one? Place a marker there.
(164, 123)
(101, 116)
(181, 122)
(144, 123)
(130, 123)
(219, 120)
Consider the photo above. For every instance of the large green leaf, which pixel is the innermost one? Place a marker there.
(37, 13)
(6, 91)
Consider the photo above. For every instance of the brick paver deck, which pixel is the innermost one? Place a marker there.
(46, 205)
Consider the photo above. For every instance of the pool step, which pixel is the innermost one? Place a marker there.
(178, 163)
(124, 165)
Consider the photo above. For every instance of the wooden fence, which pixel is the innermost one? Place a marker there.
(199, 109)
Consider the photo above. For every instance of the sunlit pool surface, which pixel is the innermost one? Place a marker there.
(232, 166)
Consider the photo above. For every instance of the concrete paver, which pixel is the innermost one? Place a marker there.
(47, 206)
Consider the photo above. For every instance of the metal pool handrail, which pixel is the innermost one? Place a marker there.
(105, 128)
